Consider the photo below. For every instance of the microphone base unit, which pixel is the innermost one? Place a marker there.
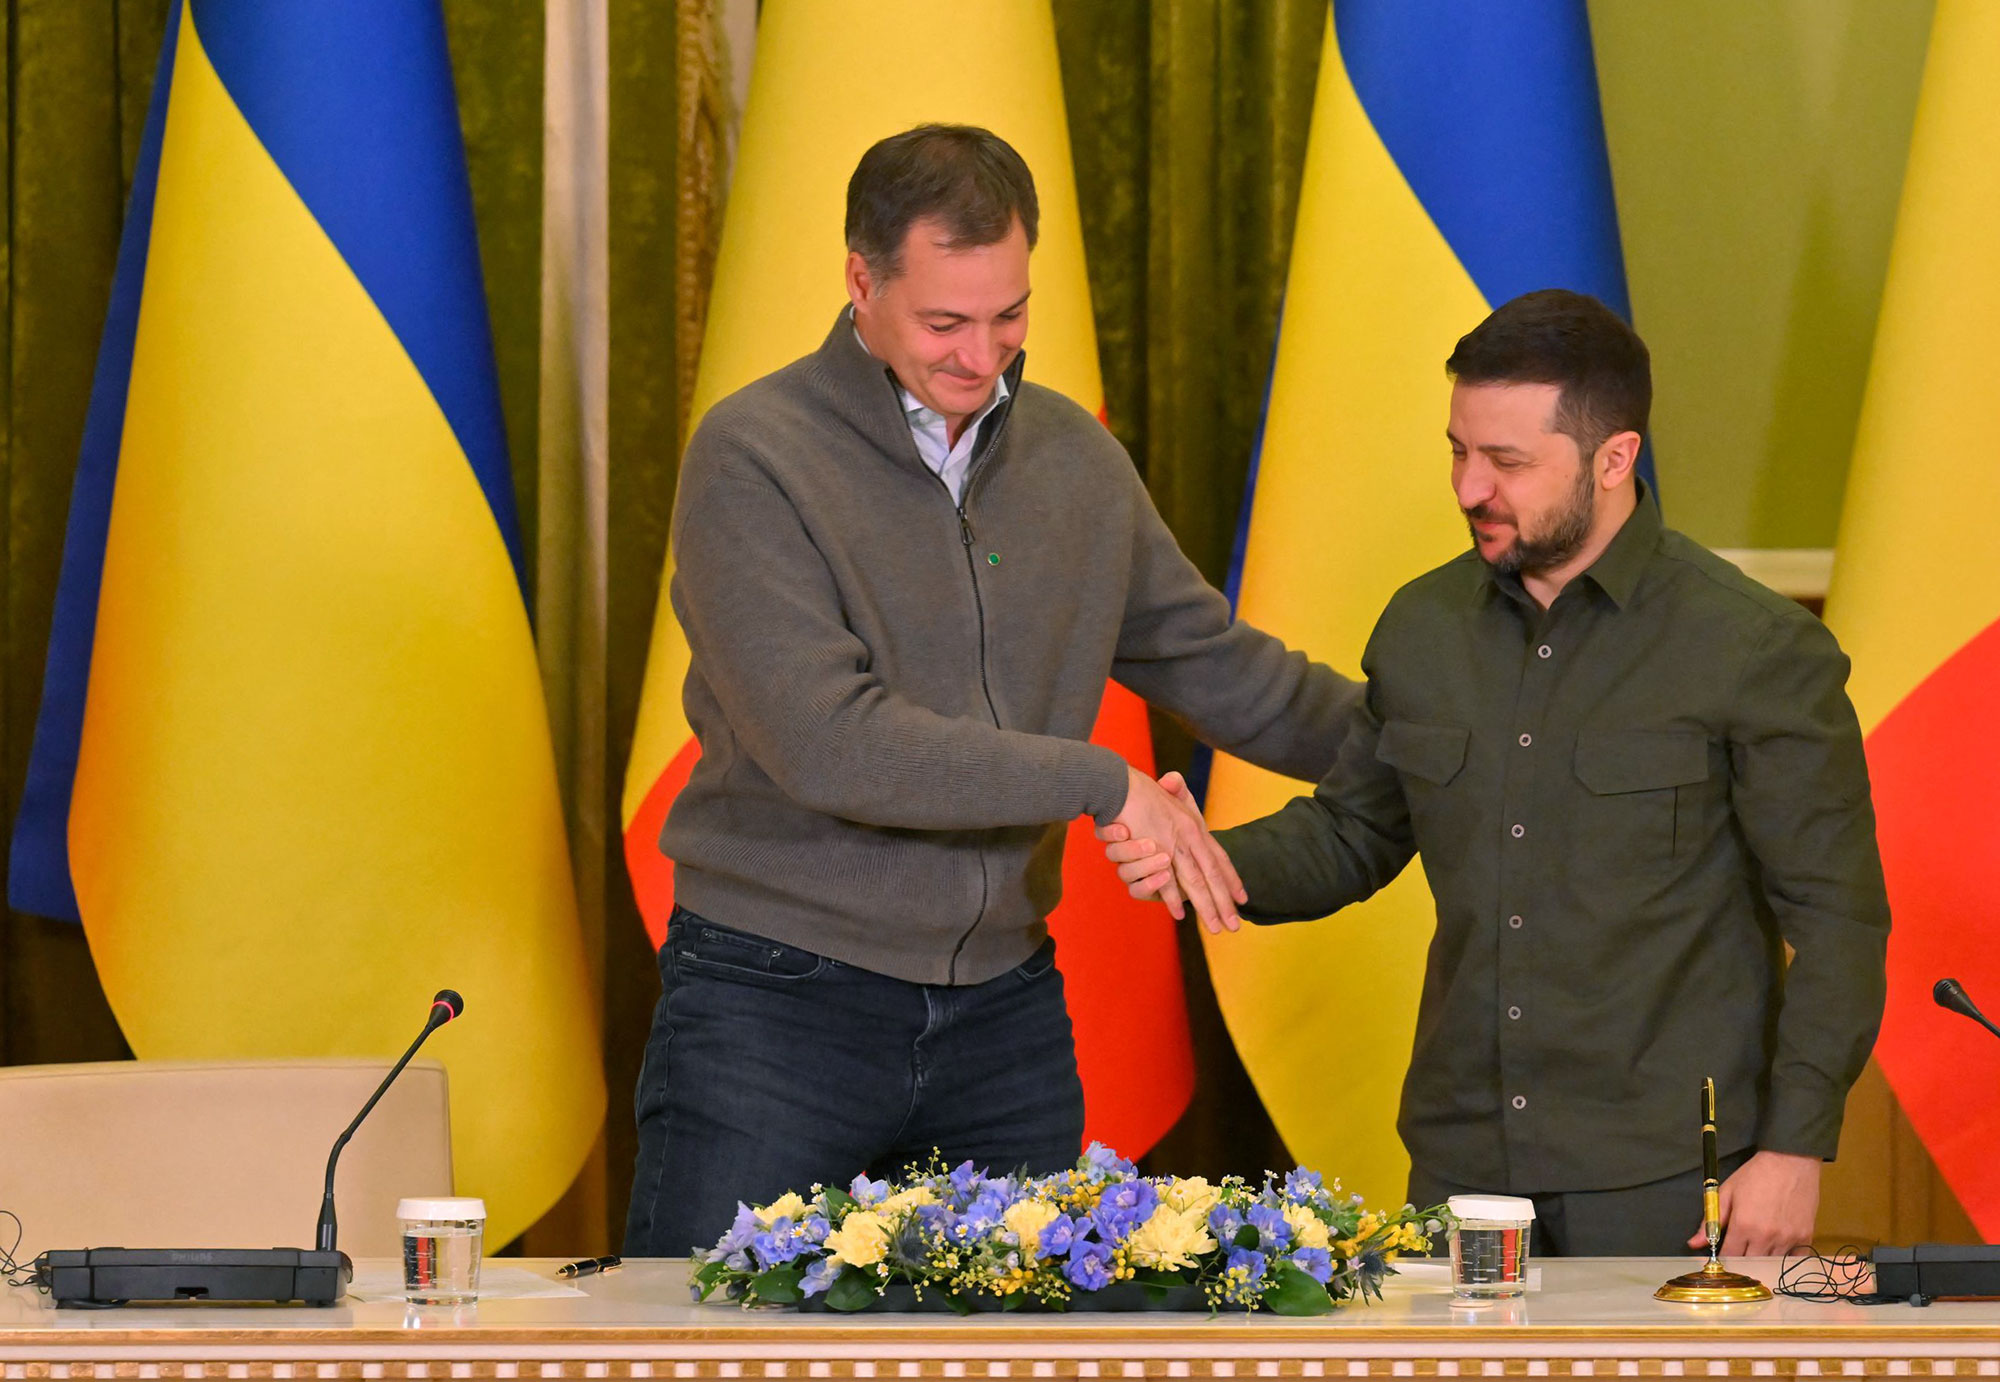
(132, 1276)
(1930, 1271)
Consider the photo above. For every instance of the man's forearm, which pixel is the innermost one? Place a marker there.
(1306, 861)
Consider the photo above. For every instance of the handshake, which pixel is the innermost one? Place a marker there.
(1163, 850)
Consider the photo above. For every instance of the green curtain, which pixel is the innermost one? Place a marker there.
(78, 77)
(644, 440)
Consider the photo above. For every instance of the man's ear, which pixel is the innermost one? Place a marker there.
(860, 283)
(1615, 458)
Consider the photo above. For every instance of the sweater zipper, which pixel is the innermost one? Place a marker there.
(965, 539)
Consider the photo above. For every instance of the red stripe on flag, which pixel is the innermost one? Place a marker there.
(1935, 766)
(1121, 966)
(651, 871)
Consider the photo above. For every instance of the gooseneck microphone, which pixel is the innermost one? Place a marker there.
(1951, 994)
(444, 1008)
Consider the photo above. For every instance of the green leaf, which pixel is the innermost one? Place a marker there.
(850, 1291)
(960, 1307)
(1157, 1283)
(707, 1274)
(1293, 1292)
(838, 1201)
(1247, 1237)
(1012, 1300)
(778, 1286)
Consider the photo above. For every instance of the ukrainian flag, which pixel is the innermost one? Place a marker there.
(292, 767)
(1456, 160)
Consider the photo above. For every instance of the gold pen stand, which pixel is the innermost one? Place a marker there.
(1714, 1284)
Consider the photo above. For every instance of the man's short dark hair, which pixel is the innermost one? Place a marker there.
(968, 179)
(1572, 340)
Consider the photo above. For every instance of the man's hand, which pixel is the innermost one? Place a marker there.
(1160, 838)
(1768, 1206)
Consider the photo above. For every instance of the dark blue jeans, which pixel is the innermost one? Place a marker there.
(770, 1068)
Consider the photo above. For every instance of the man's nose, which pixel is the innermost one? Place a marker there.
(1473, 484)
(981, 354)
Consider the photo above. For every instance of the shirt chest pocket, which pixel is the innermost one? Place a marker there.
(1427, 760)
(1648, 790)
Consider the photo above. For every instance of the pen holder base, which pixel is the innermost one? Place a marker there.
(1714, 1284)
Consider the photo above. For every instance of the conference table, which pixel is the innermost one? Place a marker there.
(1592, 1318)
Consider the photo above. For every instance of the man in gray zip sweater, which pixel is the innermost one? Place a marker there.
(904, 573)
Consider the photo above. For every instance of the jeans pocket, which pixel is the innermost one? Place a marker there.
(719, 952)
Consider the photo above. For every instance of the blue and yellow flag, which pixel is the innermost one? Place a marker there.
(292, 767)
(1456, 160)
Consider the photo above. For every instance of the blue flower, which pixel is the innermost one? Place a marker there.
(1224, 1223)
(936, 1218)
(1273, 1233)
(1316, 1263)
(732, 1248)
(982, 1215)
(1301, 1186)
(1103, 1163)
(776, 1245)
(1057, 1236)
(1089, 1265)
(818, 1276)
(965, 1179)
(815, 1229)
(867, 1192)
(1122, 1207)
(741, 1231)
(1250, 1261)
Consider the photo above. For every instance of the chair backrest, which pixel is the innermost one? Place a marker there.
(215, 1154)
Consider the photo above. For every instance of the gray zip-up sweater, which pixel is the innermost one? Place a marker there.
(894, 693)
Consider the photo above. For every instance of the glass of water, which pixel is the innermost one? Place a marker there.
(442, 1241)
(1489, 1246)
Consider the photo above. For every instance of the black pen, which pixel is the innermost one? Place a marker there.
(590, 1266)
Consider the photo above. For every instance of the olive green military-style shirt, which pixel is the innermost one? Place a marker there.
(1626, 804)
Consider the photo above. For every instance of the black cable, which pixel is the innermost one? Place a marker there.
(12, 1272)
(1845, 1276)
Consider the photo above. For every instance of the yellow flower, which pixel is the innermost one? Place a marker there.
(1191, 1196)
(1026, 1220)
(787, 1206)
(1307, 1228)
(907, 1199)
(1169, 1239)
(860, 1241)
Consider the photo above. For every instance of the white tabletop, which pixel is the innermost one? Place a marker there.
(1601, 1297)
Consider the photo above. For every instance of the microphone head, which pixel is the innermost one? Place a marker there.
(449, 1000)
(1949, 993)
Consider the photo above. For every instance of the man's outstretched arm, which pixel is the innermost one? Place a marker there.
(1319, 853)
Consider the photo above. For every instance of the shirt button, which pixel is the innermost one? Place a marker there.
(1514, 922)
(1519, 831)
(1526, 740)
(1513, 1014)
(1520, 1101)
(1545, 651)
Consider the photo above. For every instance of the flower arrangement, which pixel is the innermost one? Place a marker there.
(1054, 1242)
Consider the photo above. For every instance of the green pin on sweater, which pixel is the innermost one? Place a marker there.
(992, 558)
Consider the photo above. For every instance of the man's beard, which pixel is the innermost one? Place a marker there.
(1568, 531)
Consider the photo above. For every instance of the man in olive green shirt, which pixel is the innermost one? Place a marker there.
(1634, 777)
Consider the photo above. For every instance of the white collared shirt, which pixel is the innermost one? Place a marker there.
(932, 433)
